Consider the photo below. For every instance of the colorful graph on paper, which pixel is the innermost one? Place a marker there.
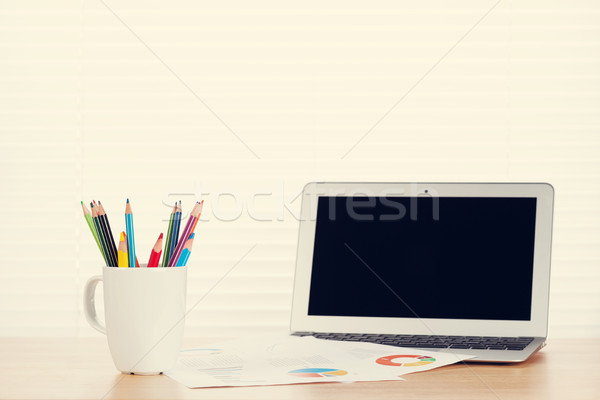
(317, 372)
(405, 360)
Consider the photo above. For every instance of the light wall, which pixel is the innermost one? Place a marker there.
(158, 101)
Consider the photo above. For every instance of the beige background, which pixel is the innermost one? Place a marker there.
(159, 101)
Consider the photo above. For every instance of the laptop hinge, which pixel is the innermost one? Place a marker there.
(302, 333)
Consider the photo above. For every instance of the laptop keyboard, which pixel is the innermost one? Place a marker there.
(434, 342)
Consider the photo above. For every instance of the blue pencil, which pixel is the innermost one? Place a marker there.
(166, 252)
(176, 226)
(130, 238)
(185, 253)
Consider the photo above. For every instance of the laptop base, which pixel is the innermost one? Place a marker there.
(484, 348)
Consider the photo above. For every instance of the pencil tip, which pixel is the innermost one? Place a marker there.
(193, 235)
(81, 202)
(161, 236)
(99, 202)
(128, 199)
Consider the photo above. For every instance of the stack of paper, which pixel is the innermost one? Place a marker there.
(291, 359)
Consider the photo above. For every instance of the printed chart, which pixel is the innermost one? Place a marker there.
(283, 360)
(317, 372)
(405, 360)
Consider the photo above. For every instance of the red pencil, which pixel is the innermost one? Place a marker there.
(155, 253)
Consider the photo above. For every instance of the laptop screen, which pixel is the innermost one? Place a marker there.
(423, 257)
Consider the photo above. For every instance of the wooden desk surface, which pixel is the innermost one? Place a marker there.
(64, 368)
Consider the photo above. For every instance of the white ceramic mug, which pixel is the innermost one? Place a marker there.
(145, 315)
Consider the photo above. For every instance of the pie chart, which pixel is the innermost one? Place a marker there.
(405, 360)
(317, 372)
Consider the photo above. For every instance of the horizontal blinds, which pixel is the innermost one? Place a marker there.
(387, 92)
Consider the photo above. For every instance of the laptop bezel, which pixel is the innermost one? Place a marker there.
(536, 327)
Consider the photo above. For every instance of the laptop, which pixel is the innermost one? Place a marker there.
(448, 267)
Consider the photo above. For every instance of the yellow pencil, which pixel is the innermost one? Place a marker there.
(123, 256)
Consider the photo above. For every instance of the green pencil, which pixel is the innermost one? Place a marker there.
(166, 252)
(88, 218)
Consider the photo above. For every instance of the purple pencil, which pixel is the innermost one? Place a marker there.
(189, 227)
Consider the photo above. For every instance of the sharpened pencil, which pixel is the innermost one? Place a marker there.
(167, 251)
(100, 234)
(112, 257)
(130, 237)
(155, 253)
(194, 215)
(185, 253)
(201, 205)
(110, 241)
(88, 218)
(123, 257)
(176, 226)
(178, 219)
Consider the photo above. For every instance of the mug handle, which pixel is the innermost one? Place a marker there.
(89, 304)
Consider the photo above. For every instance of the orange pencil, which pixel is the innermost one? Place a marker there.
(155, 253)
(196, 223)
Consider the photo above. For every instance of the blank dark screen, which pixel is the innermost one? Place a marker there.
(446, 257)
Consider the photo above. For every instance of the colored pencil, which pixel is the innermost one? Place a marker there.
(88, 218)
(201, 204)
(185, 253)
(110, 241)
(167, 251)
(180, 243)
(123, 257)
(186, 233)
(178, 219)
(130, 237)
(112, 257)
(176, 226)
(100, 235)
(155, 253)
